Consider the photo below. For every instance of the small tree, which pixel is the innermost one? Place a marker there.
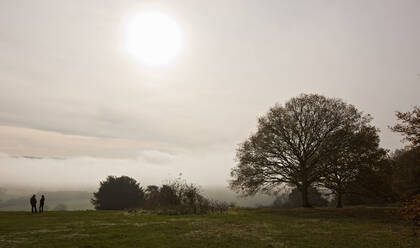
(289, 145)
(408, 161)
(352, 149)
(152, 197)
(192, 197)
(169, 196)
(393, 178)
(116, 193)
(406, 173)
(410, 127)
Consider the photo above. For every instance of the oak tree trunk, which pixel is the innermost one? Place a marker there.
(305, 201)
(339, 200)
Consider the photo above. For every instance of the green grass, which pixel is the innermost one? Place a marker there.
(351, 227)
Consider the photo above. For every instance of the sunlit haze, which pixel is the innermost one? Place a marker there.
(153, 38)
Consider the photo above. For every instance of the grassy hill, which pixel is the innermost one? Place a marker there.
(351, 227)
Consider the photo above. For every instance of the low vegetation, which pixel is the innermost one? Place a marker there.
(411, 213)
(175, 197)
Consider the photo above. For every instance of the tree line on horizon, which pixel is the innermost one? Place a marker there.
(174, 197)
(313, 142)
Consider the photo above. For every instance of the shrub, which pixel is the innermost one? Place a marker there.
(179, 197)
(411, 212)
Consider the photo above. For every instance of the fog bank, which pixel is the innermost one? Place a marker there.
(150, 167)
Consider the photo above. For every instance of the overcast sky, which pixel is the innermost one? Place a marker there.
(75, 106)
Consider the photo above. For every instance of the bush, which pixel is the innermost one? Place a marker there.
(178, 197)
(411, 212)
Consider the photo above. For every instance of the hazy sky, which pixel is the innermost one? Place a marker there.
(74, 98)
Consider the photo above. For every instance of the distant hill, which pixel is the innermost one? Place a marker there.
(18, 200)
(72, 200)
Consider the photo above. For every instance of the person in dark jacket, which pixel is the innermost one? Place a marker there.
(33, 204)
(41, 204)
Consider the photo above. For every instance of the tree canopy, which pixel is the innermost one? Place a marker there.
(117, 193)
(293, 142)
(351, 151)
(409, 127)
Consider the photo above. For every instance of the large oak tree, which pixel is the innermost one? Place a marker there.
(290, 144)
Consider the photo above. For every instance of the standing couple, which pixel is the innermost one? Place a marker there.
(41, 204)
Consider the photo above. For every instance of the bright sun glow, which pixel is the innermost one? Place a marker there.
(153, 38)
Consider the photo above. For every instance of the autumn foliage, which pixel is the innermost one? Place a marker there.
(411, 212)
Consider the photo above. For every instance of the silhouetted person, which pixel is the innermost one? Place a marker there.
(33, 204)
(41, 204)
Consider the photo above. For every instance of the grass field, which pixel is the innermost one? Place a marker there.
(351, 227)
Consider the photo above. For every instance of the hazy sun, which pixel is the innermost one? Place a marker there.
(153, 38)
